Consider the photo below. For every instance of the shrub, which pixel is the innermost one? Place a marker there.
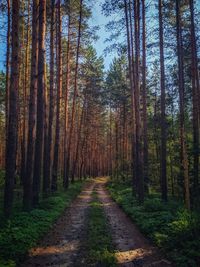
(154, 204)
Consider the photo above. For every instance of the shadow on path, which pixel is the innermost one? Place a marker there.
(62, 245)
(132, 248)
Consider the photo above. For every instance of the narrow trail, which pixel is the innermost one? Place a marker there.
(62, 245)
(133, 249)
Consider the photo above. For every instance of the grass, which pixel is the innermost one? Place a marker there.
(169, 226)
(24, 229)
(99, 241)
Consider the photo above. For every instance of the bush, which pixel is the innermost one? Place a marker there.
(9, 263)
(154, 204)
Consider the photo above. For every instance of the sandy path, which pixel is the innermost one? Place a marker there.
(133, 249)
(61, 247)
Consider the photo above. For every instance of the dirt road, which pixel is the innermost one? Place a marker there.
(63, 246)
(133, 249)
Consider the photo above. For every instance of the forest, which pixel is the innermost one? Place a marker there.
(99, 148)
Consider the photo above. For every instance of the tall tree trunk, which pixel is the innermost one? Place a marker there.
(46, 182)
(59, 88)
(48, 164)
(75, 93)
(25, 83)
(184, 156)
(129, 33)
(66, 178)
(27, 198)
(11, 141)
(138, 159)
(77, 148)
(144, 98)
(110, 141)
(116, 144)
(40, 99)
(7, 64)
(163, 112)
(196, 101)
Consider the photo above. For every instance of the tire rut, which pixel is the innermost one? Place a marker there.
(61, 247)
(132, 248)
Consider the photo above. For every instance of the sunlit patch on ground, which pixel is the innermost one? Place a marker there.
(130, 255)
(132, 248)
(63, 248)
(101, 180)
(84, 197)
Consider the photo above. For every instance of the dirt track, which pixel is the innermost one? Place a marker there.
(64, 245)
(133, 249)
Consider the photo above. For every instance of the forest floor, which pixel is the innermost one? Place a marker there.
(65, 245)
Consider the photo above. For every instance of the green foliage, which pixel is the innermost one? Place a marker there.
(24, 229)
(9, 263)
(154, 204)
(116, 84)
(169, 226)
(99, 243)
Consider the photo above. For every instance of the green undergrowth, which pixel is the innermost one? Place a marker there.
(25, 229)
(169, 226)
(99, 247)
